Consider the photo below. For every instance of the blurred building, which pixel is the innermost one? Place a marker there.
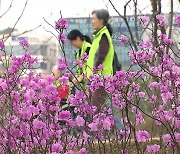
(43, 47)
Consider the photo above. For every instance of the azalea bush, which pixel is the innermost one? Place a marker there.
(32, 119)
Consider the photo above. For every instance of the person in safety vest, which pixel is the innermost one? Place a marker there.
(83, 43)
(101, 52)
(62, 90)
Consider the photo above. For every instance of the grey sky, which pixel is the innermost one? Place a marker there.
(37, 9)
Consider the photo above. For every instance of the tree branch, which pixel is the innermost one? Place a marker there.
(7, 9)
(136, 20)
(126, 22)
(17, 21)
(170, 23)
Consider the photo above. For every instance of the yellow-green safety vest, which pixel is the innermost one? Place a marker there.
(108, 62)
(57, 83)
(85, 45)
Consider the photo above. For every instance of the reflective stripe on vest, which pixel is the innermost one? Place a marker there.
(108, 62)
(85, 45)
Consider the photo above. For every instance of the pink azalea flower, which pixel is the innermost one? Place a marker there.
(122, 105)
(51, 88)
(3, 85)
(134, 108)
(155, 71)
(32, 85)
(78, 63)
(153, 99)
(178, 20)
(152, 149)
(62, 37)
(139, 118)
(84, 56)
(177, 137)
(58, 133)
(29, 95)
(93, 127)
(33, 109)
(154, 85)
(123, 39)
(15, 132)
(25, 114)
(83, 151)
(62, 64)
(167, 139)
(144, 20)
(100, 67)
(5, 140)
(80, 95)
(176, 122)
(121, 75)
(38, 124)
(24, 43)
(64, 115)
(43, 142)
(80, 121)
(166, 96)
(168, 115)
(57, 147)
(145, 44)
(63, 80)
(142, 136)
(161, 19)
(178, 110)
(61, 24)
(69, 152)
(2, 46)
(141, 94)
(106, 124)
(35, 141)
(168, 41)
(86, 136)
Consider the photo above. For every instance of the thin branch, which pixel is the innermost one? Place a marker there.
(7, 9)
(50, 33)
(60, 14)
(49, 23)
(155, 27)
(136, 20)
(17, 21)
(144, 29)
(25, 32)
(170, 23)
(30, 30)
(162, 28)
(125, 6)
(126, 22)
